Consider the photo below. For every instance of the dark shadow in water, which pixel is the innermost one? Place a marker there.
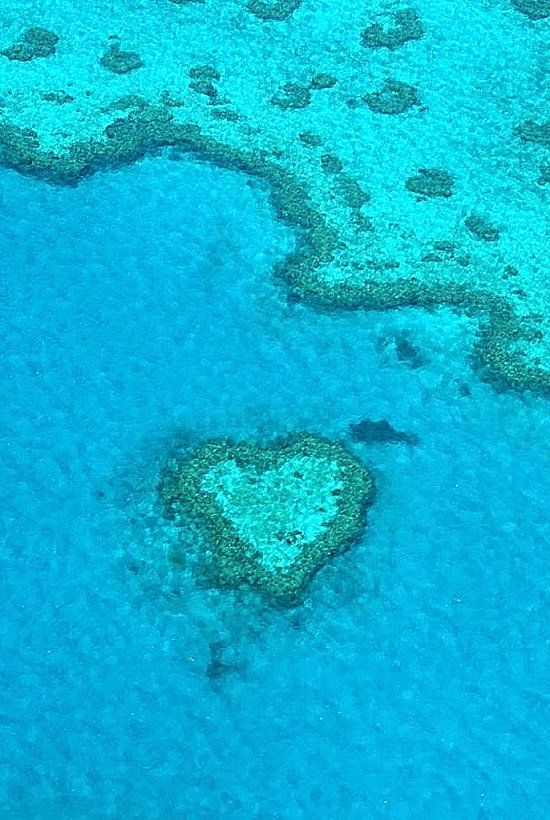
(404, 349)
(222, 662)
(368, 431)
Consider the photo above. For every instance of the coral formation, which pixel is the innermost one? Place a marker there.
(294, 96)
(351, 192)
(144, 130)
(59, 97)
(322, 81)
(35, 42)
(225, 114)
(271, 517)
(407, 26)
(534, 9)
(431, 182)
(204, 72)
(274, 11)
(394, 97)
(331, 164)
(404, 349)
(310, 139)
(120, 62)
(530, 131)
(204, 87)
(316, 159)
(203, 81)
(481, 229)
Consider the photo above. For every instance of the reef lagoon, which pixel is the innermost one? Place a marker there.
(276, 375)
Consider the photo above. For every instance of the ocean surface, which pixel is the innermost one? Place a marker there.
(140, 316)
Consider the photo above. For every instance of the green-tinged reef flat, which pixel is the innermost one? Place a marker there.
(374, 201)
(270, 517)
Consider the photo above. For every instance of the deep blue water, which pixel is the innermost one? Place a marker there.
(140, 308)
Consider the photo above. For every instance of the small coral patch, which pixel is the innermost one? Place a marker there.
(406, 27)
(120, 62)
(431, 182)
(35, 42)
(394, 97)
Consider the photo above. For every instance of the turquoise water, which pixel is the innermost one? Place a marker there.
(139, 310)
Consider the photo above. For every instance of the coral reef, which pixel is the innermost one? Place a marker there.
(322, 81)
(203, 81)
(481, 229)
(407, 26)
(317, 151)
(310, 139)
(431, 182)
(58, 97)
(274, 11)
(530, 131)
(146, 129)
(351, 192)
(120, 62)
(403, 348)
(204, 72)
(394, 97)
(534, 9)
(35, 42)
(331, 164)
(294, 96)
(270, 517)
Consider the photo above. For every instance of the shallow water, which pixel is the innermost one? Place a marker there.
(140, 308)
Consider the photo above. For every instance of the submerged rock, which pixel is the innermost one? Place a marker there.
(405, 351)
(368, 431)
(222, 661)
